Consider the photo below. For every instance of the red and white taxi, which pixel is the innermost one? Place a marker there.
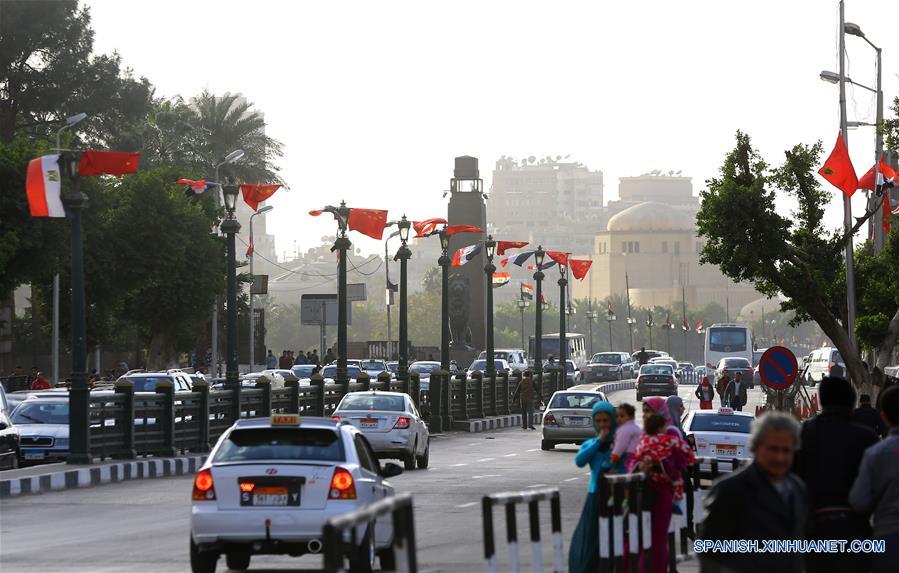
(270, 485)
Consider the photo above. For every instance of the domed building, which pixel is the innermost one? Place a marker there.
(655, 246)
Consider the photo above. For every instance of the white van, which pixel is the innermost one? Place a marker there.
(821, 362)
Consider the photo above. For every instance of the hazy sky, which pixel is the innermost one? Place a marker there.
(374, 99)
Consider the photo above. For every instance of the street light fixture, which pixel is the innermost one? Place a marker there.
(522, 306)
(563, 327)
(611, 317)
(252, 256)
(403, 255)
(539, 254)
(489, 269)
(444, 262)
(230, 226)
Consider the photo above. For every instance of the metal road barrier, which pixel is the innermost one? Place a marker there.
(339, 528)
(703, 476)
(509, 500)
(624, 516)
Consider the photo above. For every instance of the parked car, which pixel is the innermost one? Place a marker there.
(9, 442)
(43, 426)
(568, 418)
(822, 362)
(731, 365)
(373, 367)
(392, 424)
(609, 366)
(656, 380)
(516, 357)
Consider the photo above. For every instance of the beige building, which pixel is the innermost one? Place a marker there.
(656, 246)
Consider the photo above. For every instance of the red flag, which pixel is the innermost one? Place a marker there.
(527, 291)
(838, 169)
(686, 324)
(579, 267)
(503, 246)
(558, 256)
(369, 222)
(886, 213)
(427, 227)
(867, 180)
(116, 163)
(543, 299)
(255, 193)
(698, 326)
(456, 229)
(250, 249)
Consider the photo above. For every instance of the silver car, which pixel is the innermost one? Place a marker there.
(567, 420)
(392, 424)
(43, 425)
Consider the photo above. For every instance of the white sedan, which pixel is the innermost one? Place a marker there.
(270, 485)
(722, 434)
(392, 424)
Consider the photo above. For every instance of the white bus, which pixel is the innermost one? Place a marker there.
(577, 348)
(727, 340)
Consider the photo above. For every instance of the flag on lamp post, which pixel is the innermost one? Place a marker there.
(43, 187)
(255, 193)
(503, 246)
(838, 169)
(579, 267)
(527, 291)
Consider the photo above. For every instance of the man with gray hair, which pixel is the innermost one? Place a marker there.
(762, 501)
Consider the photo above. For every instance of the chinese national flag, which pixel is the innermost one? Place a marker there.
(369, 222)
(867, 180)
(579, 267)
(503, 246)
(838, 169)
(255, 193)
(558, 256)
(456, 229)
(116, 163)
(427, 227)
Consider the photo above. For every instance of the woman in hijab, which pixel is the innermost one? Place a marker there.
(676, 409)
(583, 554)
(705, 392)
(663, 493)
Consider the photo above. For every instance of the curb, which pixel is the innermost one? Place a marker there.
(492, 423)
(101, 474)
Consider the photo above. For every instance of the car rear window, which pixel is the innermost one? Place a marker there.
(146, 383)
(575, 400)
(721, 423)
(281, 444)
(373, 402)
(736, 363)
(657, 369)
(606, 359)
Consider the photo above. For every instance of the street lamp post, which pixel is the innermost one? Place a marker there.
(79, 392)
(231, 227)
(591, 316)
(563, 328)
(444, 262)
(252, 257)
(631, 321)
(611, 318)
(649, 325)
(538, 322)
(489, 269)
(342, 246)
(522, 305)
(402, 255)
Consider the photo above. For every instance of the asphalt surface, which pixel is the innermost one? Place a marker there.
(144, 525)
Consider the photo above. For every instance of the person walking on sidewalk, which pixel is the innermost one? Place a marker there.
(526, 392)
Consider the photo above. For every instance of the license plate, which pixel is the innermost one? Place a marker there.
(270, 490)
(368, 423)
(270, 499)
(33, 455)
(723, 449)
(575, 421)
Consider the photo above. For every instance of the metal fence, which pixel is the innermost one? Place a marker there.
(509, 501)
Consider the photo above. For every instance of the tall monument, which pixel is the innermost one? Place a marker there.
(467, 284)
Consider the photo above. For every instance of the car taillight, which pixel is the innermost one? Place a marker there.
(402, 423)
(204, 489)
(342, 485)
(639, 379)
(335, 418)
(550, 420)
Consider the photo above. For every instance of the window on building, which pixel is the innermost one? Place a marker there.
(636, 246)
(676, 247)
(664, 246)
(623, 247)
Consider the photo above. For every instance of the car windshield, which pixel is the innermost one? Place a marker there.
(373, 365)
(304, 370)
(659, 369)
(41, 412)
(373, 402)
(569, 365)
(482, 364)
(835, 357)
(586, 400)
(685, 365)
(424, 368)
(721, 423)
(606, 358)
(331, 371)
(146, 383)
(393, 366)
(736, 363)
(281, 444)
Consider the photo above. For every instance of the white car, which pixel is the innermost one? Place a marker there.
(270, 485)
(373, 367)
(481, 366)
(43, 425)
(391, 423)
(721, 434)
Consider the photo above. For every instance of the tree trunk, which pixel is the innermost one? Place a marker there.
(161, 352)
(856, 371)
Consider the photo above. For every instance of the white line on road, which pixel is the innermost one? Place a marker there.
(486, 476)
(469, 504)
(537, 485)
(572, 479)
(533, 449)
(486, 459)
(457, 465)
(510, 455)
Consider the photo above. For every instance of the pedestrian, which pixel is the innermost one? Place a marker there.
(735, 392)
(721, 386)
(876, 489)
(39, 382)
(676, 409)
(290, 358)
(642, 356)
(300, 359)
(627, 436)
(705, 393)
(828, 463)
(316, 359)
(760, 502)
(271, 361)
(663, 504)
(868, 415)
(526, 392)
(282, 360)
(583, 553)
(329, 356)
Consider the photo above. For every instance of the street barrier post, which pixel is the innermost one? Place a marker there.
(125, 388)
(415, 384)
(293, 405)
(619, 523)
(265, 408)
(383, 381)
(478, 379)
(436, 401)
(462, 378)
(201, 387)
(166, 392)
(319, 383)
(365, 380)
(509, 500)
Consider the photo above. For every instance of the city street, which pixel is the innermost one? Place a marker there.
(144, 525)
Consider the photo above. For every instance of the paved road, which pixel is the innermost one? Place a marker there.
(144, 525)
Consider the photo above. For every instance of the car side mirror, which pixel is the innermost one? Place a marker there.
(391, 469)
(3, 426)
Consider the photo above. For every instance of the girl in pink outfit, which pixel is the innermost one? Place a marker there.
(626, 437)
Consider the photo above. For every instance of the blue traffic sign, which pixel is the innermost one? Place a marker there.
(778, 368)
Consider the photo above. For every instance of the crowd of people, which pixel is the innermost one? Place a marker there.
(288, 359)
(833, 477)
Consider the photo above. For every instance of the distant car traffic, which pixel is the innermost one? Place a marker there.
(392, 367)
(572, 373)
(392, 424)
(481, 366)
(516, 357)
(656, 380)
(329, 373)
(650, 354)
(303, 371)
(721, 434)
(43, 427)
(568, 418)
(609, 366)
(270, 485)
(147, 381)
(373, 367)
(731, 365)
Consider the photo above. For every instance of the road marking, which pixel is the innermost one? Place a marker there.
(469, 504)
(510, 455)
(534, 449)
(572, 479)
(474, 444)
(457, 465)
(537, 485)
(486, 476)
(486, 459)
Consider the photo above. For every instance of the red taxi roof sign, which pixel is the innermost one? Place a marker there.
(285, 420)
(726, 410)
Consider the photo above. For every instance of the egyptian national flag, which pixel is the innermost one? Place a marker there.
(838, 169)
(686, 325)
(527, 291)
(579, 267)
(256, 193)
(543, 267)
(500, 279)
(42, 186)
(699, 326)
(558, 256)
(427, 227)
(116, 163)
(369, 222)
(196, 187)
(465, 254)
(503, 246)
(517, 259)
